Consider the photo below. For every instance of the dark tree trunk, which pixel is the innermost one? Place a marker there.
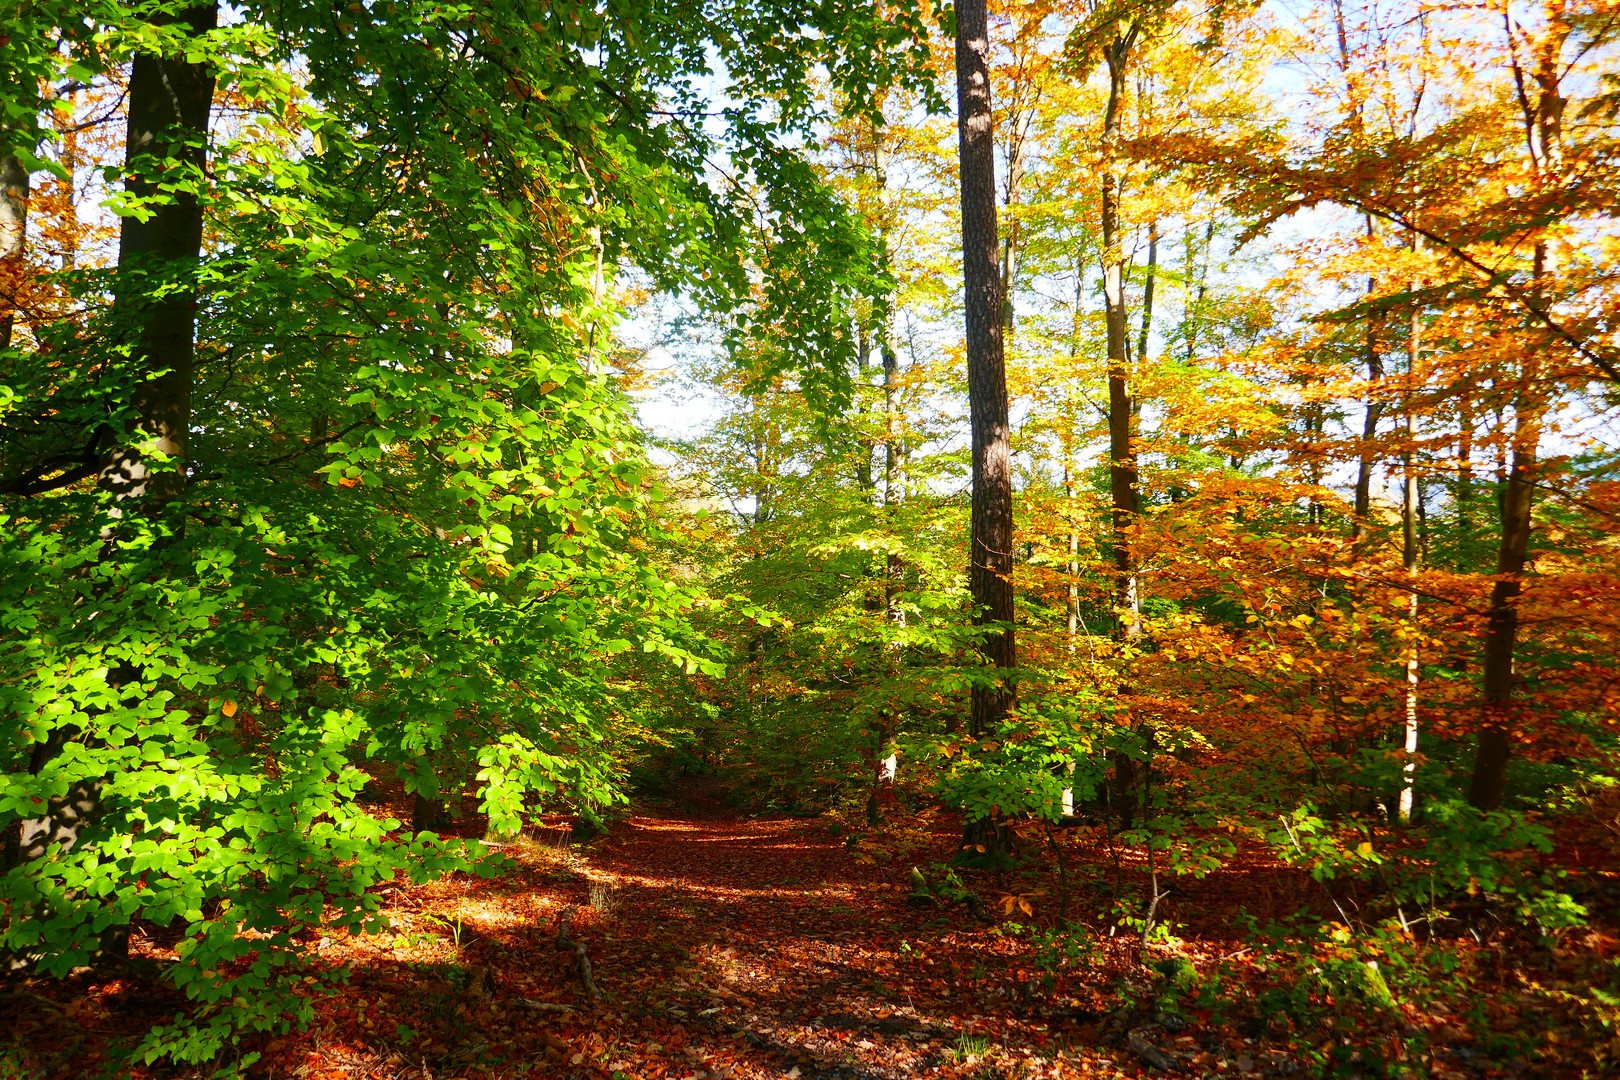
(1544, 126)
(1150, 276)
(1122, 471)
(1122, 411)
(1369, 423)
(1502, 623)
(428, 814)
(169, 102)
(987, 378)
(991, 548)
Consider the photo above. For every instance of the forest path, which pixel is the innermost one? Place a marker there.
(725, 949)
(733, 948)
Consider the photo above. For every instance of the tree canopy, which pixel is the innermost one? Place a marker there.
(1254, 369)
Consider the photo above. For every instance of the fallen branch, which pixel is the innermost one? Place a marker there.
(578, 948)
(545, 1006)
(946, 892)
(1150, 1053)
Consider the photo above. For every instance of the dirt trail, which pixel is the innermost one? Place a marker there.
(764, 949)
(725, 949)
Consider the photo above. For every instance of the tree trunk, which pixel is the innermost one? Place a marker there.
(1374, 412)
(1543, 127)
(863, 440)
(1122, 472)
(894, 456)
(1409, 558)
(428, 814)
(1010, 243)
(1151, 273)
(1502, 622)
(1195, 306)
(1465, 467)
(13, 236)
(169, 103)
(991, 559)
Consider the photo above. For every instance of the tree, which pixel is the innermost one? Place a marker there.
(370, 497)
(991, 554)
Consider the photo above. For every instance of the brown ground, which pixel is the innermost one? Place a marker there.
(736, 949)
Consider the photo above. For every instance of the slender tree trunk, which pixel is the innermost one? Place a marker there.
(1195, 306)
(894, 486)
(1122, 472)
(894, 457)
(1010, 243)
(863, 441)
(1502, 622)
(169, 102)
(1072, 567)
(1465, 466)
(1409, 558)
(1543, 125)
(1374, 412)
(1151, 273)
(13, 240)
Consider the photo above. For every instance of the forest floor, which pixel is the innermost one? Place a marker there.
(728, 948)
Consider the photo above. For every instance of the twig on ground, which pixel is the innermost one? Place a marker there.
(1150, 1053)
(579, 949)
(545, 1006)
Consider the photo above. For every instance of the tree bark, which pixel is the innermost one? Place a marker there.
(894, 452)
(1020, 122)
(1409, 558)
(169, 103)
(13, 238)
(1122, 469)
(1543, 116)
(1374, 412)
(1150, 276)
(1502, 622)
(991, 558)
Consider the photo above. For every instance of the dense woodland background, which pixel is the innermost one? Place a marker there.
(326, 338)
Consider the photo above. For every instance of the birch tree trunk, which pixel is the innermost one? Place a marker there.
(1410, 558)
(13, 240)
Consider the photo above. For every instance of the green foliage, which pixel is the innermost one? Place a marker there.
(411, 535)
(1023, 767)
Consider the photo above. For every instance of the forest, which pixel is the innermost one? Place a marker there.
(851, 541)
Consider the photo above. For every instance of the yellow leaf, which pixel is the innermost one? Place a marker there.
(229, 708)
